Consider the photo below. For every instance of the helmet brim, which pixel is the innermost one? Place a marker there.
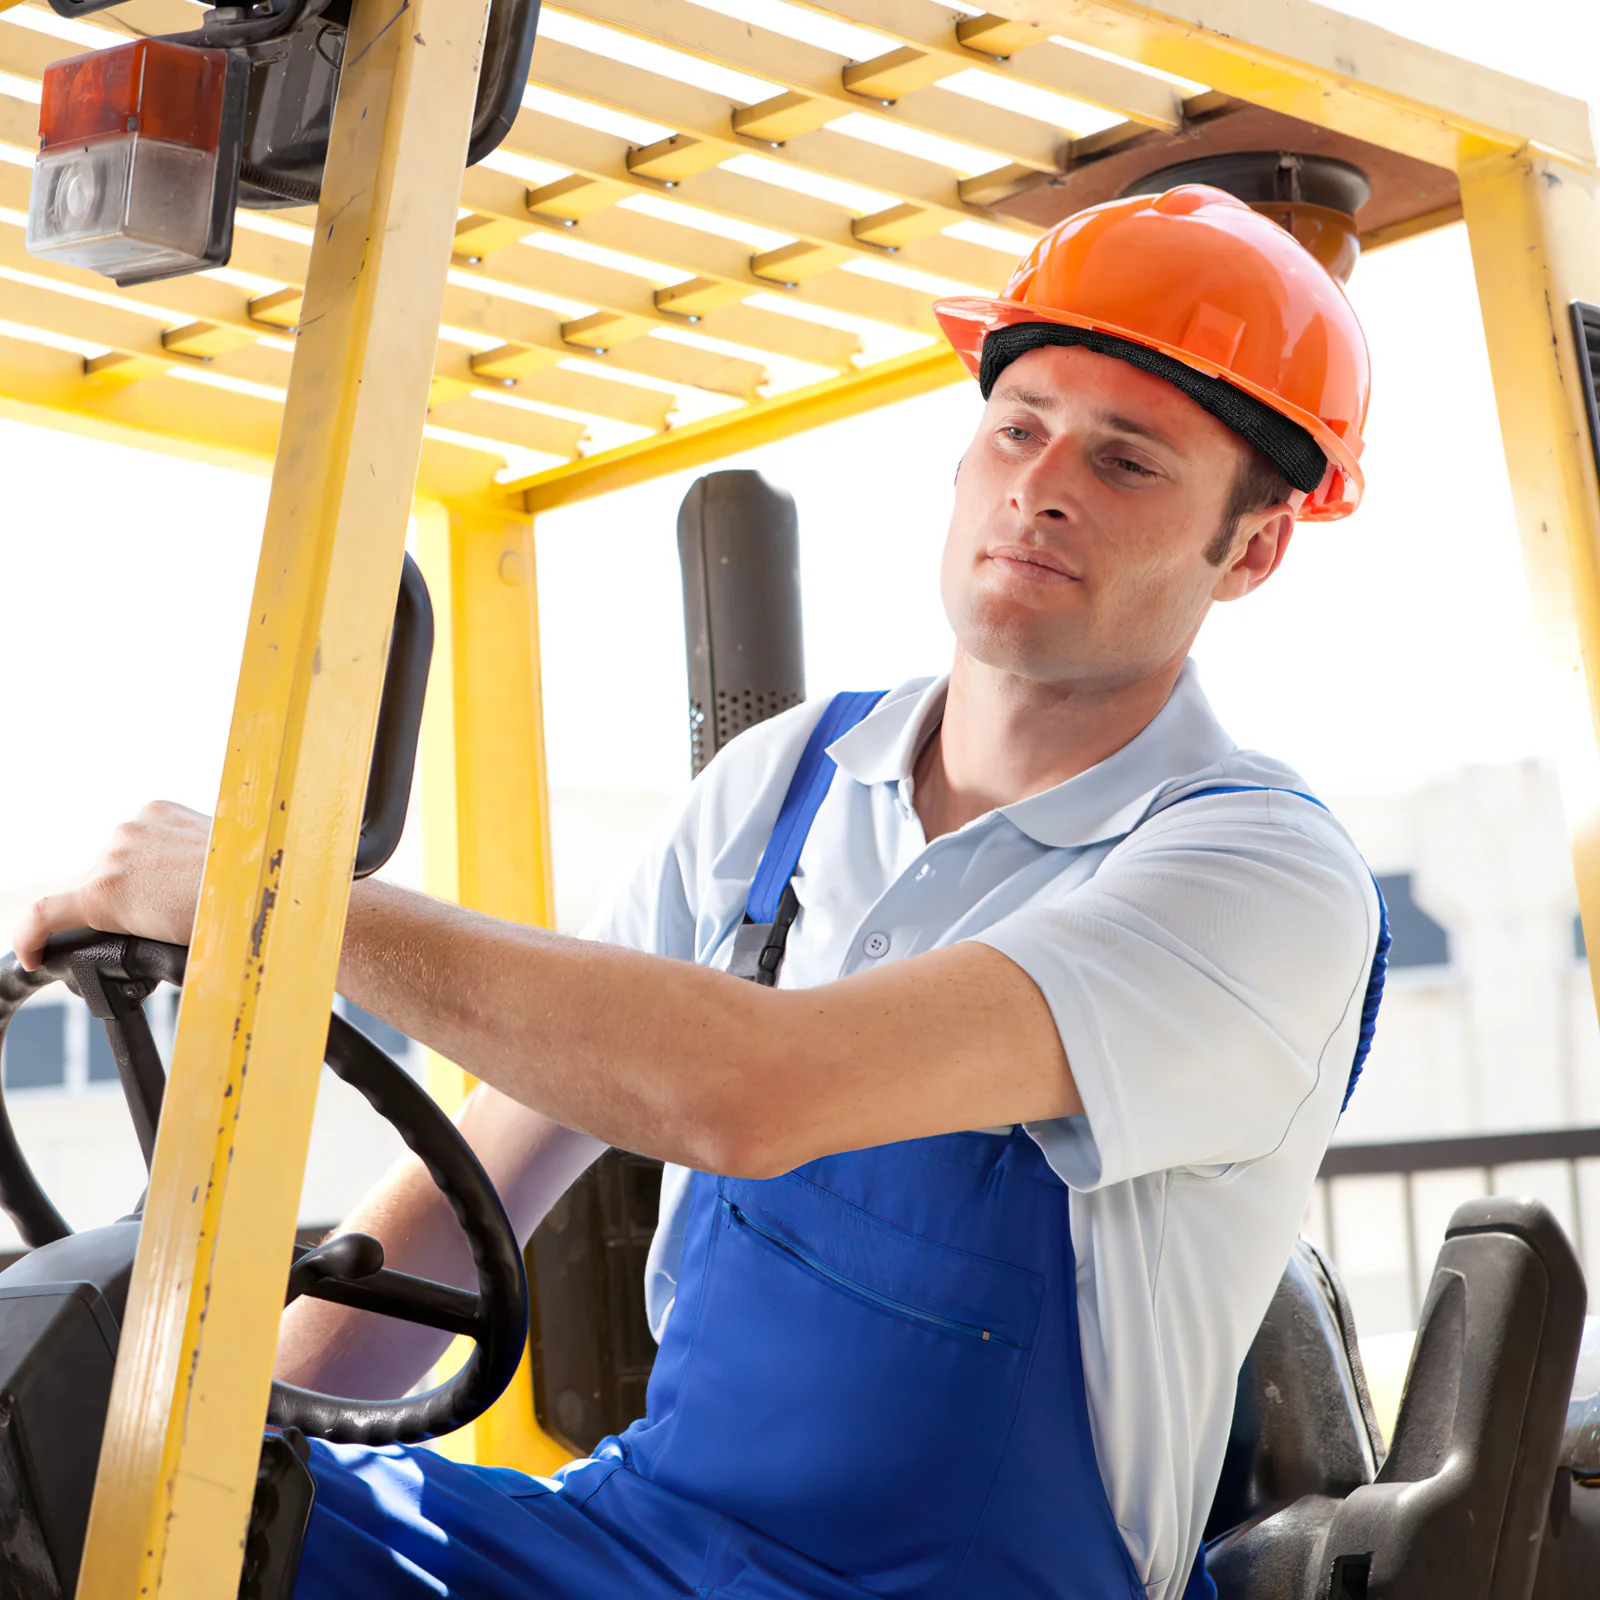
(967, 322)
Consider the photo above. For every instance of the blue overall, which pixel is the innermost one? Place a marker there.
(870, 1385)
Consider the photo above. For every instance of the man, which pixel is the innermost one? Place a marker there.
(976, 1210)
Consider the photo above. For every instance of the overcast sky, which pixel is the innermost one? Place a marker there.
(1391, 648)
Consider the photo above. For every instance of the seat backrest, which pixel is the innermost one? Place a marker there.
(1464, 1496)
(1302, 1420)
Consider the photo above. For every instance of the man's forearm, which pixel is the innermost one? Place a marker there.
(678, 1061)
(589, 1035)
(660, 1056)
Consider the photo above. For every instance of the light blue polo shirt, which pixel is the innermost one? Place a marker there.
(1206, 965)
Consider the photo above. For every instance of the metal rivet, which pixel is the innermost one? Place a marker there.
(694, 316)
(672, 183)
(508, 383)
(600, 351)
(474, 261)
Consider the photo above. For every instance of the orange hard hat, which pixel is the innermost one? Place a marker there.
(1196, 287)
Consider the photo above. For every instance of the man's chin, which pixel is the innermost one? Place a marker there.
(1023, 647)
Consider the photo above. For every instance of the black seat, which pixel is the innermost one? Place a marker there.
(1302, 1420)
(1483, 1493)
(1303, 1431)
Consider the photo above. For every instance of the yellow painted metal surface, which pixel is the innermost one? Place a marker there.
(486, 822)
(177, 1470)
(1534, 226)
(1313, 62)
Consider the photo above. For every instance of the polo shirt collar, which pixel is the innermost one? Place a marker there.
(1106, 801)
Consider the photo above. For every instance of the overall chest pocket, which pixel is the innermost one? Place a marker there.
(852, 1385)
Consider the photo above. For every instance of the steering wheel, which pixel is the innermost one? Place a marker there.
(114, 975)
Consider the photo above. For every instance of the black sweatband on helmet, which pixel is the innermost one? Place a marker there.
(1285, 444)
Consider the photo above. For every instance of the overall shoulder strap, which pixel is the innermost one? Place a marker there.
(1380, 955)
(807, 789)
(771, 905)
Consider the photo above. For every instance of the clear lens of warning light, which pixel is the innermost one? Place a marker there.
(135, 177)
(126, 207)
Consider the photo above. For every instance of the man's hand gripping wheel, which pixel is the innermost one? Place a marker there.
(114, 974)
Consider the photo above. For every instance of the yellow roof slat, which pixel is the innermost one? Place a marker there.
(1016, 52)
(1326, 67)
(890, 88)
(687, 252)
(602, 157)
(528, 430)
(597, 397)
(696, 114)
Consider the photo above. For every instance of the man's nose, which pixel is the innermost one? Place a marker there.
(1046, 487)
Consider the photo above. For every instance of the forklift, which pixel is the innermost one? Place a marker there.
(135, 1360)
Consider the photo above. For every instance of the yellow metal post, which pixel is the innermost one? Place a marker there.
(486, 824)
(1534, 227)
(177, 1470)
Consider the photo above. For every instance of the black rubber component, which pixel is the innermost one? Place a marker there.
(279, 1516)
(1463, 1500)
(294, 81)
(739, 548)
(1259, 177)
(22, 1199)
(1469, 1502)
(281, 186)
(496, 1316)
(115, 974)
(1302, 1419)
(394, 745)
(503, 78)
(1586, 336)
(592, 1349)
(80, 8)
(58, 1343)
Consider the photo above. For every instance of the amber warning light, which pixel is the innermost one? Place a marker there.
(138, 166)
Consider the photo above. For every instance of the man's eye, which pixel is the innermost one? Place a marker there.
(1123, 464)
(1015, 434)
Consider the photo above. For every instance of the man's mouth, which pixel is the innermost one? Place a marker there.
(1032, 564)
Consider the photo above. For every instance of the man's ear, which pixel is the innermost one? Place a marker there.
(1265, 542)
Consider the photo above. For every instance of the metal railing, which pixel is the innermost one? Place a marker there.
(1487, 1154)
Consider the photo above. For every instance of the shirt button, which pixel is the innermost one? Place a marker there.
(876, 944)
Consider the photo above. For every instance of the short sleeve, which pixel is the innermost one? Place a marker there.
(652, 907)
(687, 887)
(1207, 983)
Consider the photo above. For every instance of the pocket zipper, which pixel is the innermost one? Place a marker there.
(861, 1291)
